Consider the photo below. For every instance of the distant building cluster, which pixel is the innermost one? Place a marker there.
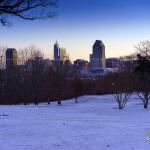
(98, 64)
(60, 53)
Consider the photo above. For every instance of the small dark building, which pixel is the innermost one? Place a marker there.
(11, 57)
(81, 64)
(114, 63)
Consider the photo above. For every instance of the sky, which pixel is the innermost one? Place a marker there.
(120, 24)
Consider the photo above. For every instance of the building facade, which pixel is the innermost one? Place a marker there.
(97, 58)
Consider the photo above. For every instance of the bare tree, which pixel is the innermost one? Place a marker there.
(143, 89)
(77, 88)
(49, 86)
(145, 97)
(2, 56)
(143, 70)
(143, 49)
(2, 66)
(122, 89)
(59, 82)
(143, 57)
(24, 55)
(121, 99)
(32, 70)
(26, 9)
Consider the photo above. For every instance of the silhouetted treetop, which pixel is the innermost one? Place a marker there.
(143, 49)
(143, 56)
(26, 9)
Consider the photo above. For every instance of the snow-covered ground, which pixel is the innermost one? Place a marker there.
(92, 124)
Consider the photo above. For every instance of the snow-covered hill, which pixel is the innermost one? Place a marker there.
(92, 124)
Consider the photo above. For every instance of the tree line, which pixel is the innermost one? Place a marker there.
(34, 80)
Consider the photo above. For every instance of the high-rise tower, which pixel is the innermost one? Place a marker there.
(56, 51)
(97, 58)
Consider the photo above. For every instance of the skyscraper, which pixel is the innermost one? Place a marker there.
(97, 58)
(56, 51)
(11, 57)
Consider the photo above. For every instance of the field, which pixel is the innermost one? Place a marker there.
(94, 123)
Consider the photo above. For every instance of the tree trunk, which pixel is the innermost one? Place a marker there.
(59, 101)
(146, 104)
(49, 101)
(120, 106)
(76, 100)
(36, 101)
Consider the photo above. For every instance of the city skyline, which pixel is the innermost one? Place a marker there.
(119, 24)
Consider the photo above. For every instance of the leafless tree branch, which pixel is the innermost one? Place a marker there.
(27, 9)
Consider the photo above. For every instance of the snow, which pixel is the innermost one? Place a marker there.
(92, 124)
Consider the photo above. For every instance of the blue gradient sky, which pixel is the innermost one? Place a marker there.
(120, 24)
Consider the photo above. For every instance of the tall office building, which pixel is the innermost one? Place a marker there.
(56, 51)
(11, 57)
(97, 58)
(60, 53)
